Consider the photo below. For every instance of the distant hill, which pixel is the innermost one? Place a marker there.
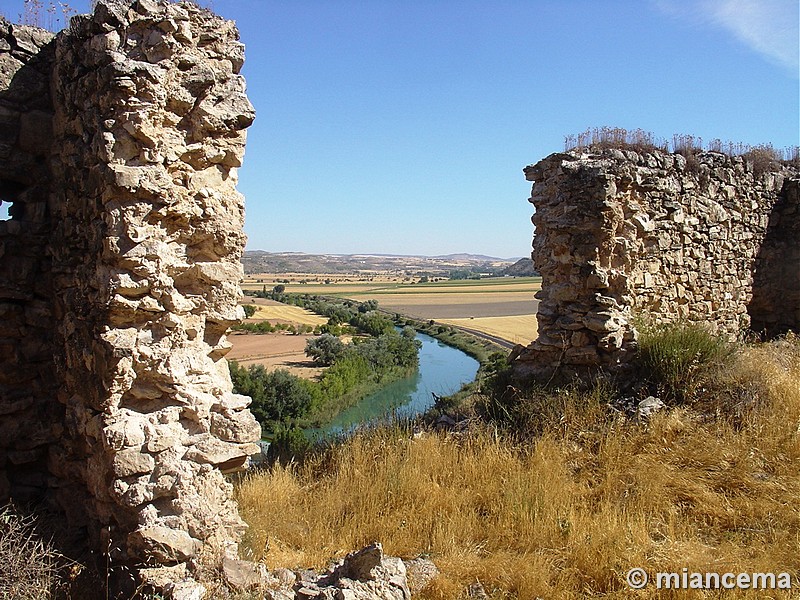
(259, 261)
(522, 268)
(475, 258)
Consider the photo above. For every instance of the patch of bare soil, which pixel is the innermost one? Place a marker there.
(274, 351)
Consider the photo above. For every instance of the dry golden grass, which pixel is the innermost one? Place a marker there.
(565, 514)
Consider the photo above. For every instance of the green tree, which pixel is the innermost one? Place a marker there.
(277, 396)
(325, 349)
(368, 306)
(249, 310)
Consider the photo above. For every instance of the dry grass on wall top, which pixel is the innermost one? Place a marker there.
(565, 514)
(644, 141)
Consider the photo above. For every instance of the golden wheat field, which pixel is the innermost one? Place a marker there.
(269, 310)
(565, 513)
(519, 329)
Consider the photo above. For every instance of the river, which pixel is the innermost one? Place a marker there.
(442, 370)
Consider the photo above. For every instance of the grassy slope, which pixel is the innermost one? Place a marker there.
(566, 513)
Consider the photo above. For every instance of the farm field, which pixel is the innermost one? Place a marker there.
(456, 305)
(276, 312)
(503, 307)
(273, 351)
(276, 350)
(519, 329)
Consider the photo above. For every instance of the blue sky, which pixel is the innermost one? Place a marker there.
(389, 126)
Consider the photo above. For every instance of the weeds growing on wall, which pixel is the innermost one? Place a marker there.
(615, 137)
(763, 157)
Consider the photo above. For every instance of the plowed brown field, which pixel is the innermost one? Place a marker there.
(274, 351)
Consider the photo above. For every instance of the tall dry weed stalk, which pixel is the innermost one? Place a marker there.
(563, 514)
(29, 566)
(762, 157)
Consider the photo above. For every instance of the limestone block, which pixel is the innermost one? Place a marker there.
(132, 461)
(161, 436)
(126, 432)
(235, 426)
(164, 543)
(212, 450)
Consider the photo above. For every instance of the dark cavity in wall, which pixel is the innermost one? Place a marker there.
(775, 307)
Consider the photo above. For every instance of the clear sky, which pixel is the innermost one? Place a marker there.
(402, 126)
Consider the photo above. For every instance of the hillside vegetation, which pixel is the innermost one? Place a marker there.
(561, 492)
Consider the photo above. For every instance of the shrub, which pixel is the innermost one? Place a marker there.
(277, 395)
(763, 159)
(289, 444)
(679, 357)
(28, 565)
(249, 310)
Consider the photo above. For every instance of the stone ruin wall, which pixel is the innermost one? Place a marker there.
(622, 236)
(119, 277)
(30, 418)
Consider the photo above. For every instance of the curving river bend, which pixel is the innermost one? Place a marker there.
(442, 370)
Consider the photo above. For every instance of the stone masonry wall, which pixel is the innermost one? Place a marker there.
(119, 278)
(30, 418)
(621, 235)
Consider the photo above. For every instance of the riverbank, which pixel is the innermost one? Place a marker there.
(322, 407)
(490, 355)
(442, 371)
(566, 504)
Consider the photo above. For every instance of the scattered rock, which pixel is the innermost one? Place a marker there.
(648, 407)
(363, 575)
(242, 574)
(476, 590)
(185, 590)
(420, 572)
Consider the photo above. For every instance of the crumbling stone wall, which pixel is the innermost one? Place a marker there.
(30, 419)
(621, 235)
(119, 144)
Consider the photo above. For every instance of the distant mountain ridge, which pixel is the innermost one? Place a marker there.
(260, 261)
